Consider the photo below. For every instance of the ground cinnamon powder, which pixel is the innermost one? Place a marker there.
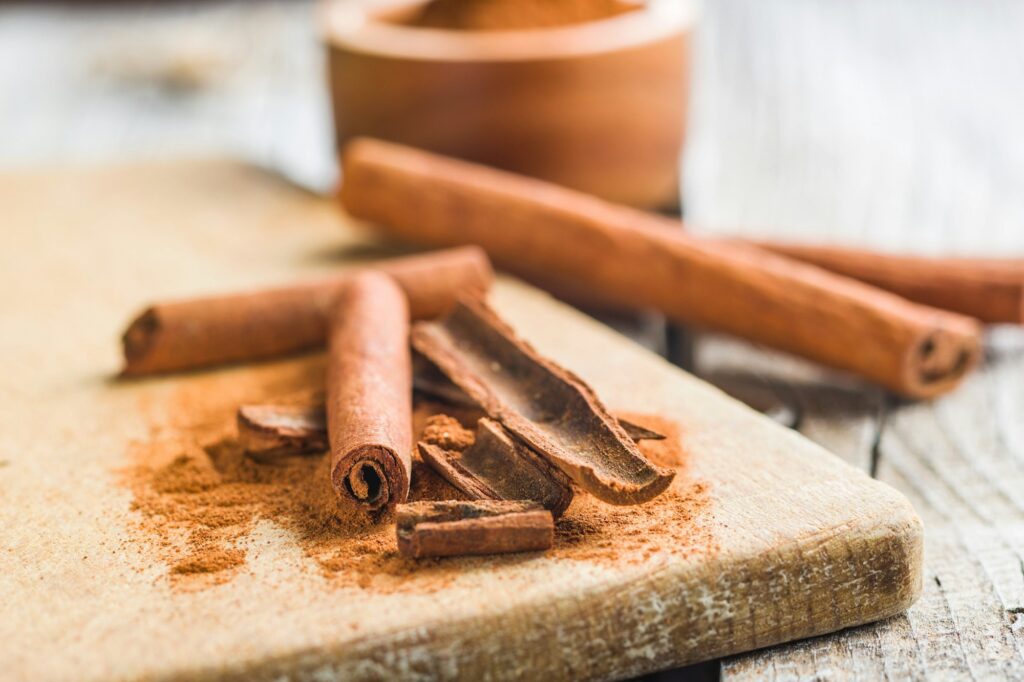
(497, 15)
(198, 496)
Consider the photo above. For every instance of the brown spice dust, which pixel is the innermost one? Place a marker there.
(498, 15)
(198, 496)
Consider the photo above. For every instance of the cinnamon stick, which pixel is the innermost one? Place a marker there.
(493, 465)
(441, 529)
(565, 240)
(990, 289)
(270, 432)
(542, 404)
(369, 393)
(192, 333)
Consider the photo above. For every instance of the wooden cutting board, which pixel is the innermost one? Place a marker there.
(763, 538)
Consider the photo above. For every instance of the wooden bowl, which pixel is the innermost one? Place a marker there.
(597, 106)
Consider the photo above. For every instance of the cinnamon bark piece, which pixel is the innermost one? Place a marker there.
(440, 529)
(990, 289)
(430, 381)
(369, 393)
(547, 407)
(268, 432)
(494, 466)
(200, 332)
(570, 242)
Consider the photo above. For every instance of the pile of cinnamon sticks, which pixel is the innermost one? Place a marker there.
(910, 324)
(542, 433)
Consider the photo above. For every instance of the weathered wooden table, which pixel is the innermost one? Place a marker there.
(864, 123)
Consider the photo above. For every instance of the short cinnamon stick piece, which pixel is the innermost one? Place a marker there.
(269, 432)
(990, 289)
(441, 529)
(494, 466)
(369, 393)
(551, 410)
(570, 242)
(201, 332)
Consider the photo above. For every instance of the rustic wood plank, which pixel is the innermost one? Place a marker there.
(764, 538)
(856, 123)
(797, 165)
(951, 459)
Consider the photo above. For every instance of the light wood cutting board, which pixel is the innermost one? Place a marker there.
(785, 540)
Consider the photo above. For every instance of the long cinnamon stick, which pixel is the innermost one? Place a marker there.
(561, 239)
(440, 529)
(990, 289)
(187, 334)
(544, 405)
(369, 393)
(494, 465)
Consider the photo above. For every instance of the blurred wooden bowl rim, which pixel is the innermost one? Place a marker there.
(598, 106)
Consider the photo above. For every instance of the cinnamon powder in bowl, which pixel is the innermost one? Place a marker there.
(505, 15)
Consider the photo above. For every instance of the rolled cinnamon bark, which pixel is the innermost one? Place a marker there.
(990, 289)
(188, 334)
(369, 393)
(565, 240)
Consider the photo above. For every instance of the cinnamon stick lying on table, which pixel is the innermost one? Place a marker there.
(551, 410)
(271, 432)
(187, 334)
(369, 393)
(492, 465)
(440, 529)
(564, 240)
(990, 289)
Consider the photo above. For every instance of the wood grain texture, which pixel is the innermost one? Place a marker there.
(881, 126)
(803, 543)
(813, 120)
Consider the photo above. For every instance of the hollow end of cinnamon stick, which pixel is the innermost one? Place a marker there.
(940, 360)
(137, 341)
(373, 477)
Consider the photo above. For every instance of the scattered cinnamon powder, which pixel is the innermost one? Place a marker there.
(497, 15)
(199, 496)
(447, 433)
(667, 452)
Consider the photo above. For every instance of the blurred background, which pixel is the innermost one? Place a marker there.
(885, 123)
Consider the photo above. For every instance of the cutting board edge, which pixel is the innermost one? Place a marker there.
(476, 647)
